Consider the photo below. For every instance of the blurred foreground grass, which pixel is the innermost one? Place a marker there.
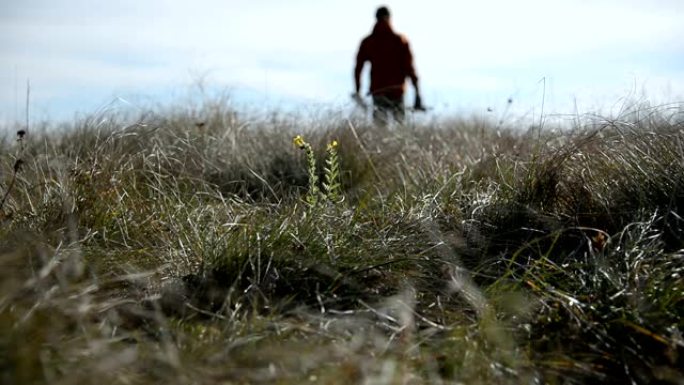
(179, 250)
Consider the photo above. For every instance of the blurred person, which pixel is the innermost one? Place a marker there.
(391, 63)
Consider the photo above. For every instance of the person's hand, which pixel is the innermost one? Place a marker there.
(359, 100)
(418, 104)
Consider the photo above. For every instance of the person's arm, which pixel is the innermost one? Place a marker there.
(410, 68)
(361, 59)
(411, 73)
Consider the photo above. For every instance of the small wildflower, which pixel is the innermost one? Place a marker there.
(331, 184)
(314, 192)
(299, 141)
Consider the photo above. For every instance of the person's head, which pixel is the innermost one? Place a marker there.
(382, 13)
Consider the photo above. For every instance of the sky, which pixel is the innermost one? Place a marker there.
(569, 56)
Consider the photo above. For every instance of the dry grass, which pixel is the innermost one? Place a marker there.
(178, 249)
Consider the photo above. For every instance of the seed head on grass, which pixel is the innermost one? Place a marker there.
(17, 165)
(21, 133)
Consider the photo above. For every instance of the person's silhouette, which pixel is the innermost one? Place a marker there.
(391, 63)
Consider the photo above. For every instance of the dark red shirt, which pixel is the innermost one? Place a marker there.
(391, 61)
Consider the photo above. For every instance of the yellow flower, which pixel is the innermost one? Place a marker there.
(299, 141)
(332, 145)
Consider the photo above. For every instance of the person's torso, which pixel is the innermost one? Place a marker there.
(387, 55)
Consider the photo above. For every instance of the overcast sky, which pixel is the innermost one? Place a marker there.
(81, 54)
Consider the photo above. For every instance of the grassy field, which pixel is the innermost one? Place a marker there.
(191, 247)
